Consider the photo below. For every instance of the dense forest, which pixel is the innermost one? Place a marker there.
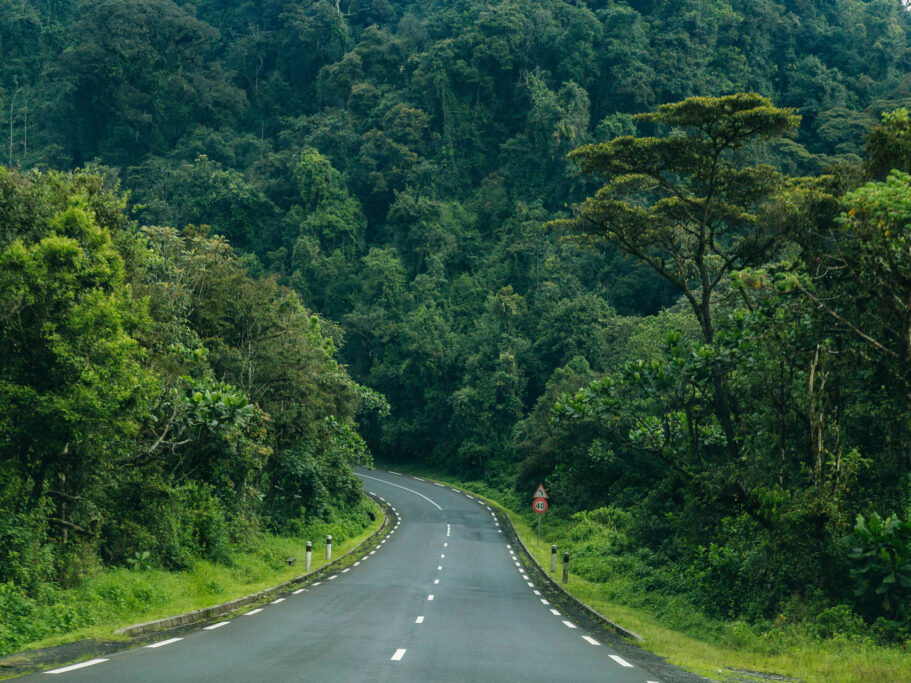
(654, 254)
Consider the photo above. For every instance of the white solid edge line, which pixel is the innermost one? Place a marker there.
(73, 667)
(419, 620)
(569, 624)
(398, 655)
(621, 661)
(218, 625)
(162, 643)
(403, 487)
(252, 612)
(590, 640)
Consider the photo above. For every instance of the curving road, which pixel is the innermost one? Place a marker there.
(442, 598)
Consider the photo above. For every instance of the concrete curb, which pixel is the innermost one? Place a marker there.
(592, 612)
(226, 607)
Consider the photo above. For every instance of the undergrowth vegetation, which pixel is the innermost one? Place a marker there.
(111, 598)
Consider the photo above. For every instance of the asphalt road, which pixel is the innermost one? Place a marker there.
(443, 598)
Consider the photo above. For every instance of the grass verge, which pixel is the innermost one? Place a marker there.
(120, 597)
(721, 650)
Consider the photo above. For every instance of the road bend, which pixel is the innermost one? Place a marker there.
(443, 598)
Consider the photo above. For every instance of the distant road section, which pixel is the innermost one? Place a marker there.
(443, 598)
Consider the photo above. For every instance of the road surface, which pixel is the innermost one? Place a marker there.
(443, 598)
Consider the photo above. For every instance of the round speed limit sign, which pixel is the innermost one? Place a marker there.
(540, 505)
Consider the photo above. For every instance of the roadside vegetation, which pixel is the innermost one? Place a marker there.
(141, 592)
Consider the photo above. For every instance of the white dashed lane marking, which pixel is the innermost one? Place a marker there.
(316, 584)
(398, 655)
(430, 597)
(275, 602)
(215, 626)
(555, 613)
(73, 667)
(621, 661)
(590, 640)
(299, 591)
(254, 611)
(162, 643)
(569, 624)
(419, 620)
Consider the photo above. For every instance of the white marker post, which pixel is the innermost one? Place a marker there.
(553, 559)
(309, 554)
(329, 547)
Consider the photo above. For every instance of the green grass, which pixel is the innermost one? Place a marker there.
(701, 644)
(120, 597)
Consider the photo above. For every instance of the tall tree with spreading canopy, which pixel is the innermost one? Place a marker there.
(684, 205)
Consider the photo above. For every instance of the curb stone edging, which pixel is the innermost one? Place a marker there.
(592, 612)
(205, 613)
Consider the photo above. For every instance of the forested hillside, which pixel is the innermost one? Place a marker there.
(707, 357)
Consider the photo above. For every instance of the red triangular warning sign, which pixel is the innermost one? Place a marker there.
(540, 493)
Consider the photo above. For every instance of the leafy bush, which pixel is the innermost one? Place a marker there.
(881, 555)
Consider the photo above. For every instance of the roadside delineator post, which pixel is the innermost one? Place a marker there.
(565, 567)
(309, 554)
(553, 559)
(329, 547)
